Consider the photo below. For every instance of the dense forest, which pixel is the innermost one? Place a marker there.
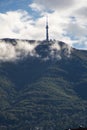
(47, 92)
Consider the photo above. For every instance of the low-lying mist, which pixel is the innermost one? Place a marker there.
(13, 52)
(10, 51)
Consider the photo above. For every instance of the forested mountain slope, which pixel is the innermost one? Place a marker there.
(43, 90)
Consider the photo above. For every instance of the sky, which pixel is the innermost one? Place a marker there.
(26, 19)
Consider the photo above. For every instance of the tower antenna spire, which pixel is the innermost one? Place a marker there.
(47, 27)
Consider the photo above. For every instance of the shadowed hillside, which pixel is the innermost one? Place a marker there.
(45, 89)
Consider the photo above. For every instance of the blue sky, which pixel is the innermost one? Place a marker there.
(25, 19)
(12, 5)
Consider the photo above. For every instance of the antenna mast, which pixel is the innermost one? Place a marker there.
(47, 27)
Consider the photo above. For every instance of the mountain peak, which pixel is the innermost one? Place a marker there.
(46, 89)
(45, 50)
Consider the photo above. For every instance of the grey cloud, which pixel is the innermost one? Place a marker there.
(76, 30)
(81, 44)
(82, 11)
(55, 4)
(16, 30)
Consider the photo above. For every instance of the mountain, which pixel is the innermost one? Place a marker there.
(45, 88)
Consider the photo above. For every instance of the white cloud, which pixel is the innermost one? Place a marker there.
(35, 7)
(20, 25)
(67, 21)
(14, 24)
(14, 50)
(20, 49)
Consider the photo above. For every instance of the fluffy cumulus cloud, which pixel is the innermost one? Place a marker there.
(20, 25)
(11, 23)
(67, 22)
